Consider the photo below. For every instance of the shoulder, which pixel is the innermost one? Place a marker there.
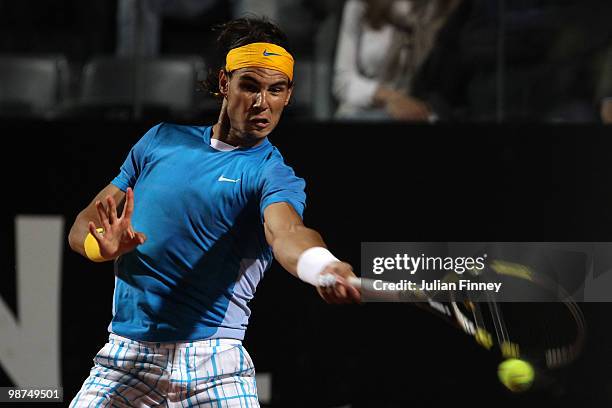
(275, 170)
(171, 134)
(173, 129)
(273, 159)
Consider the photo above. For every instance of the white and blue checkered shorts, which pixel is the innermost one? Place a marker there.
(208, 373)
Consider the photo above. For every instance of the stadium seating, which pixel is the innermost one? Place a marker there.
(32, 86)
(130, 88)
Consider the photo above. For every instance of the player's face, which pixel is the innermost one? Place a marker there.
(256, 98)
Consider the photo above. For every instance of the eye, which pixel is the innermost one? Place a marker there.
(249, 87)
(276, 90)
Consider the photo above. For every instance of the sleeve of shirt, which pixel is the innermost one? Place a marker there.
(135, 161)
(349, 85)
(280, 184)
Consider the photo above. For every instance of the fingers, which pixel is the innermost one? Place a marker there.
(131, 232)
(353, 294)
(112, 210)
(102, 215)
(93, 231)
(128, 208)
(108, 214)
(346, 293)
(341, 291)
(339, 294)
(128, 246)
(328, 295)
(140, 237)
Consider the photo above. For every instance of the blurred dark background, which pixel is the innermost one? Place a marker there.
(544, 61)
(517, 149)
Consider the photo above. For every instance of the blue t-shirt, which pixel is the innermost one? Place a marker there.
(206, 251)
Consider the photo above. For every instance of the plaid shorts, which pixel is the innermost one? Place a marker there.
(208, 373)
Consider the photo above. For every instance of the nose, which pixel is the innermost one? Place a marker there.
(261, 100)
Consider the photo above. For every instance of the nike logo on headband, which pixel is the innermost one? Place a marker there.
(268, 54)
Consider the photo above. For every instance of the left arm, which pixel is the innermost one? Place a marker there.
(289, 238)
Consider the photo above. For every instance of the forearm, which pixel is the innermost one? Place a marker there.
(301, 251)
(290, 244)
(80, 227)
(77, 234)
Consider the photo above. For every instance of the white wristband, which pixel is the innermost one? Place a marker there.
(312, 262)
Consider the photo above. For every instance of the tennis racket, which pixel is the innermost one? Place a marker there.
(549, 335)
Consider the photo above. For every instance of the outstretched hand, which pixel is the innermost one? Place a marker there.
(341, 291)
(118, 236)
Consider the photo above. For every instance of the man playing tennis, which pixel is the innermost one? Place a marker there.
(204, 211)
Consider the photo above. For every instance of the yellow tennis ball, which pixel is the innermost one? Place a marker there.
(517, 375)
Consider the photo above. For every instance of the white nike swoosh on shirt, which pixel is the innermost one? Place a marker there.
(221, 178)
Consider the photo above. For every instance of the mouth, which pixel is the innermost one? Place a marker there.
(259, 123)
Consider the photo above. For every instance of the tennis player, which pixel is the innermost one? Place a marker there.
(192, 222)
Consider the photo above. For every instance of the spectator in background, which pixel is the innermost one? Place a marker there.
(528, 61)
(381, 45)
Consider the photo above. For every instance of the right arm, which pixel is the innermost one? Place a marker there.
(118, 236)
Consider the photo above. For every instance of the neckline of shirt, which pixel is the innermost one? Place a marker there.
(221, 146)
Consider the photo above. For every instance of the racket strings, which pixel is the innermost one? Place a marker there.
(508, 348)
(563, 352)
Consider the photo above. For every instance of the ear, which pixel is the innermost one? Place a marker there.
(223, 83)
(289, 93)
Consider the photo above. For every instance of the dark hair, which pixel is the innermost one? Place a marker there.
(239, 32)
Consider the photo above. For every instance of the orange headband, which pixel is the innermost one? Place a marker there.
(264, 55)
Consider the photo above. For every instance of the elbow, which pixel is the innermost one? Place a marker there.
(72, 241)
(278, 238)
(75, 241)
